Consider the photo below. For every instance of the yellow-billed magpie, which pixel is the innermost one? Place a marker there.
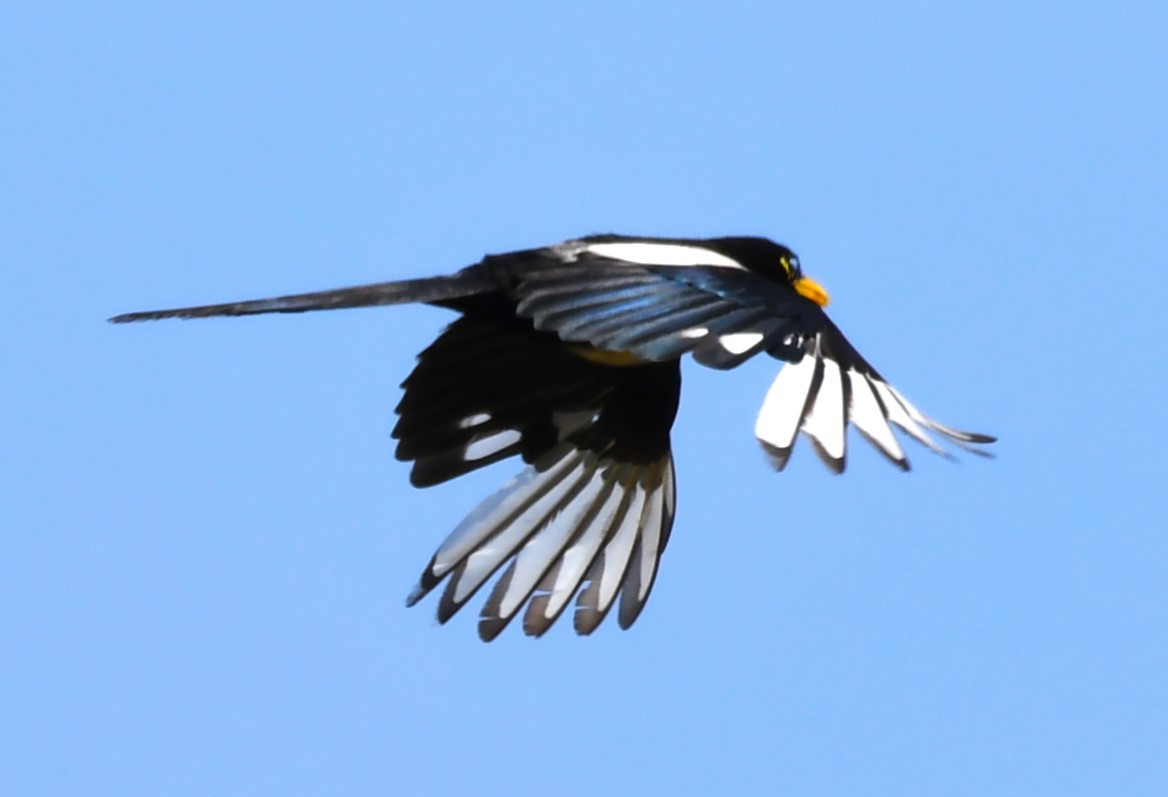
(568, 356)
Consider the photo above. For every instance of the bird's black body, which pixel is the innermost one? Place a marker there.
(489, 362)
(568, 357)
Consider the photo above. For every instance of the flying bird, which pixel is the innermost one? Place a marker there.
(568, 356)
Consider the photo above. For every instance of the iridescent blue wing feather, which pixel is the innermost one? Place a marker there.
(723, 315)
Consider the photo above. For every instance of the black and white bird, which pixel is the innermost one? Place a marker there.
(568, 357)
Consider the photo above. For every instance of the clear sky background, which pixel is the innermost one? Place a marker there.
(206, 542)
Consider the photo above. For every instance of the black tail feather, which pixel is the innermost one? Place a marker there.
(468, 282)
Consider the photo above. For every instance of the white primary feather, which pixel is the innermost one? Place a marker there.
(782, 409)
(826, 421)
(547, 543)
(571, 518)
(863, 399)
(580, 554)
(900, 412)
(869, 418)
(615, 558)
(488, 556)
(654, 526)
(497, 510)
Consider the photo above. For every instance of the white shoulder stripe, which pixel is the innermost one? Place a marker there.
(660, 254)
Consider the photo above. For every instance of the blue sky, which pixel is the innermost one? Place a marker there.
(207, 542)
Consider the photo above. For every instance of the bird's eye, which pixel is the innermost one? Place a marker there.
(790, 264)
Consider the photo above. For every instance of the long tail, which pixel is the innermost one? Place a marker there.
(467, 282)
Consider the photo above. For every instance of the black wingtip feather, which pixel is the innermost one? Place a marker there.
(836, 465)
(778, 457)
(426, 582)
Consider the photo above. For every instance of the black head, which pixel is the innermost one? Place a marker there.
(771, 260)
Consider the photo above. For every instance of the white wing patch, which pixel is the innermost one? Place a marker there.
(482, 447)
(661, 254)
(477, 419)
(740, 342)
(818, 396)
(571, 519)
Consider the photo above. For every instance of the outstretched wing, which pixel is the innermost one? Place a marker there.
(832, 386)
(659, 300)
(590, 516)
(573, 523)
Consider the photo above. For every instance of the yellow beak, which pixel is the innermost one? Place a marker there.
(810, 289)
